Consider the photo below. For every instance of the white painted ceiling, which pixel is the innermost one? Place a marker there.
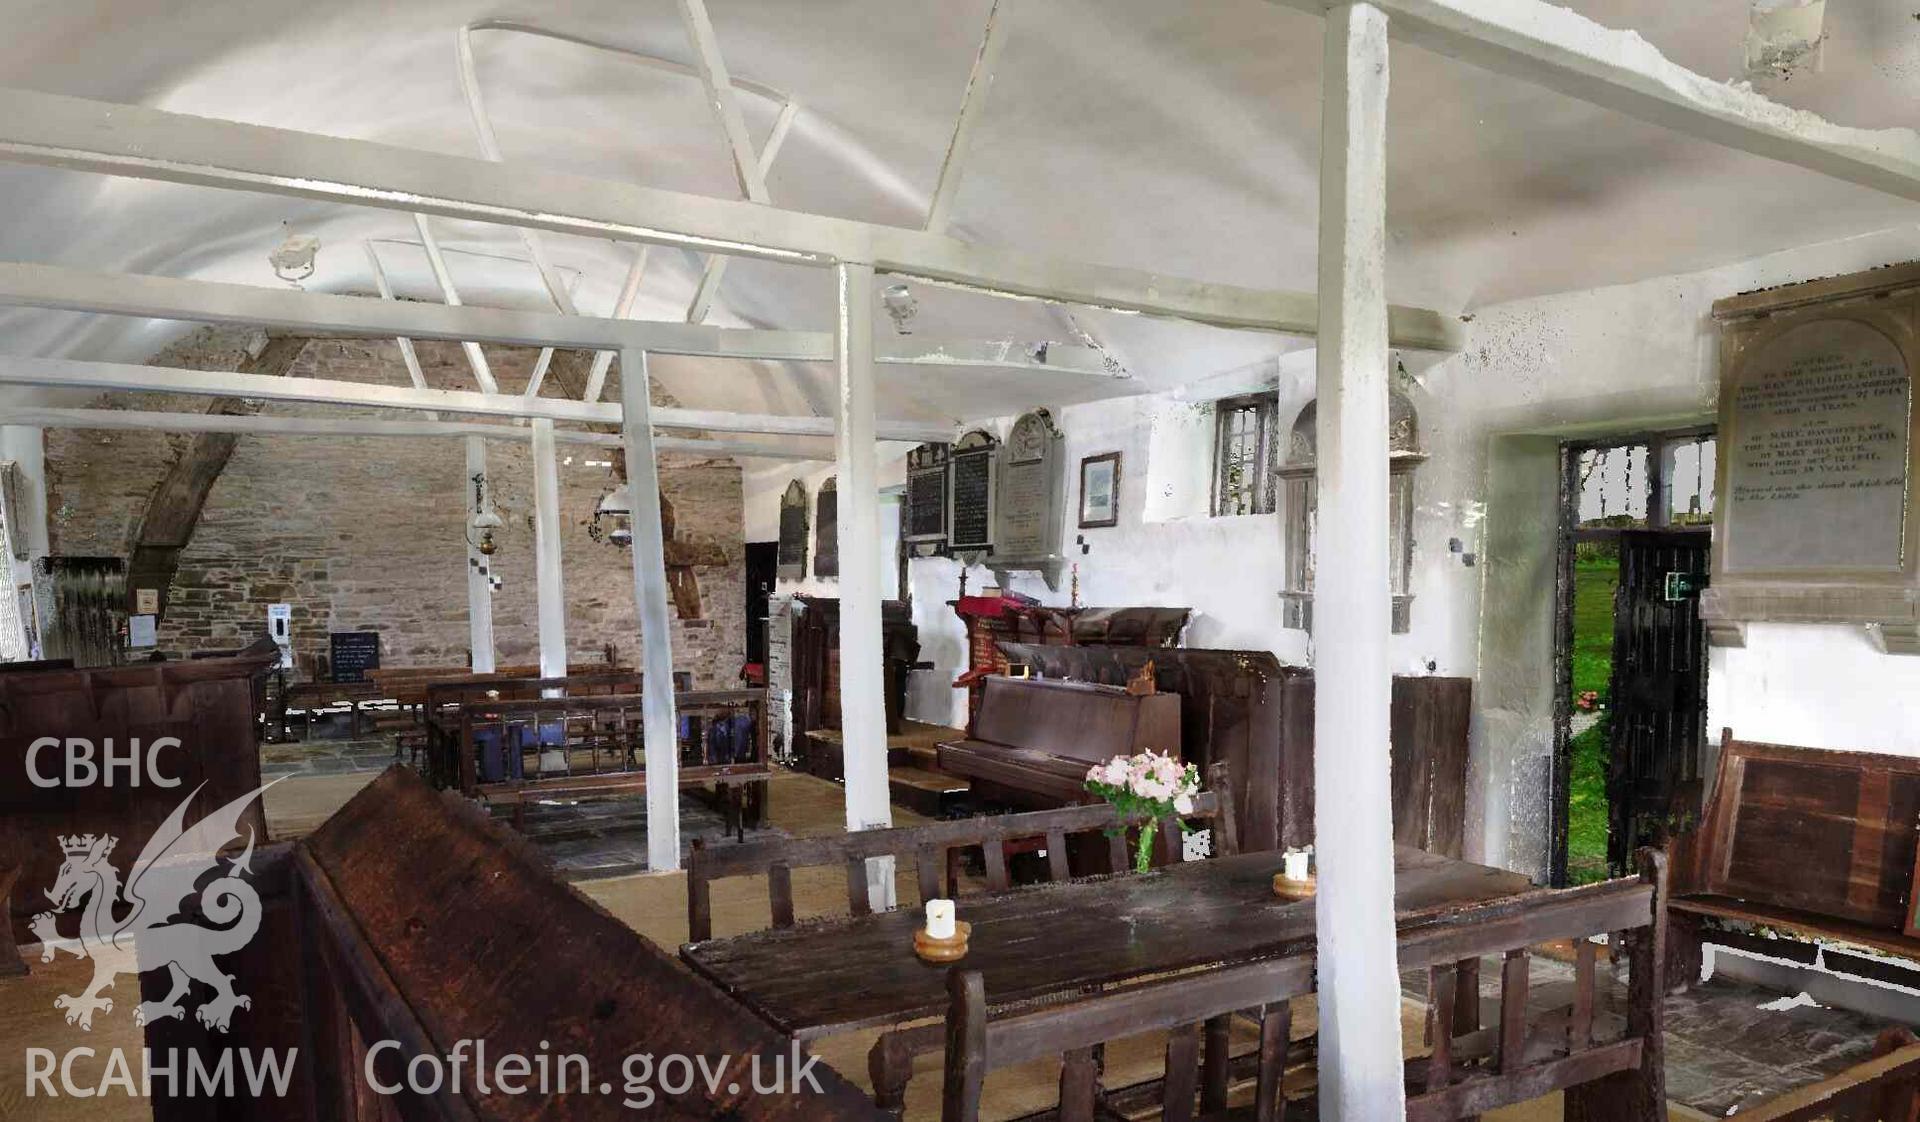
(1178, 137)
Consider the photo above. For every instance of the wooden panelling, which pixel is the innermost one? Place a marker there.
(424, 923)
(206, 704)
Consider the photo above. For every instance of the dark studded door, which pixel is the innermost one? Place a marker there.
(1659, 689)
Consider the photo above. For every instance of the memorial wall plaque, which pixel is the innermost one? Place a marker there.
(1817, 454)
(826, 531)
(928, 469)
(971, 490)
(1819, 446)
(1031, 490)
(792, 553)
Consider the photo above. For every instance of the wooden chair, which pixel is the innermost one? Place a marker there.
(776, 858)
(1474, 1069)
(1188, 1007)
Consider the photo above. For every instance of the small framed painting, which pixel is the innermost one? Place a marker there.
(1100, 491)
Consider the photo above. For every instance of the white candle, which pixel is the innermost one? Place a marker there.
(1296, 861)
(940, 919)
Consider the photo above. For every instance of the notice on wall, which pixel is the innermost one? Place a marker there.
(353, 653)
(1818, 451)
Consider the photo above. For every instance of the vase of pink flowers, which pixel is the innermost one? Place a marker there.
(1150, 784)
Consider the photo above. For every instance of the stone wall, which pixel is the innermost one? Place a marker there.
(368, 532)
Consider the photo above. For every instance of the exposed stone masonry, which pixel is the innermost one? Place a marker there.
(368, 532)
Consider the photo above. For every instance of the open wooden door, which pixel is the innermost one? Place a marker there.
(1659, 690)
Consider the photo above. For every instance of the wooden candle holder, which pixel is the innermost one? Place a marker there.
(1287, 888)
(936, 951)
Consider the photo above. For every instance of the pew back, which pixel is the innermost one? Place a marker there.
(1187, 1007)
(928, 845)
(1829, 833)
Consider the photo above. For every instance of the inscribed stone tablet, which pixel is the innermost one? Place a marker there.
(826, 531)
(792, 553)
(1817, 460)
(1028, 514)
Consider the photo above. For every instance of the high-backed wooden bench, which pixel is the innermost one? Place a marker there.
(409, 917)
(1816, 842)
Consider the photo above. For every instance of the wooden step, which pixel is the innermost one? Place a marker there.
(932, 793)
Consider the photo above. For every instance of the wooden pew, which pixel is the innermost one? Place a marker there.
(209, 706)
(438, 716)
(928, 846)
(410, 917)
(1473, 1069)
(1247, 708)
(890, 1063)
(1188, 1007)
(1816, 842)
(611, 730)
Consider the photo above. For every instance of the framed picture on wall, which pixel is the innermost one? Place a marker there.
(1100, 491)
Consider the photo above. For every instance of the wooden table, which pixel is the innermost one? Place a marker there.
(835, 975)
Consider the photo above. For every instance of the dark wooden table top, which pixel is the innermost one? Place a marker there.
(833, 975)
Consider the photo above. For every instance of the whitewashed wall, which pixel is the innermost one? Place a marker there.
(1166, 549)
(1611, 360)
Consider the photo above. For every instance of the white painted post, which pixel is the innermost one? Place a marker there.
(479, 588)
(656, 627)
(549, 587)
(863, 713)
(1360, 1063)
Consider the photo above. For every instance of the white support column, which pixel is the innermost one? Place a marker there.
(656, 626)
(863, 714)
(549, 587)
(1360, 1064)
(479, 565)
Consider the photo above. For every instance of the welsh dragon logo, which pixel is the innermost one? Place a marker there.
(149, 931)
